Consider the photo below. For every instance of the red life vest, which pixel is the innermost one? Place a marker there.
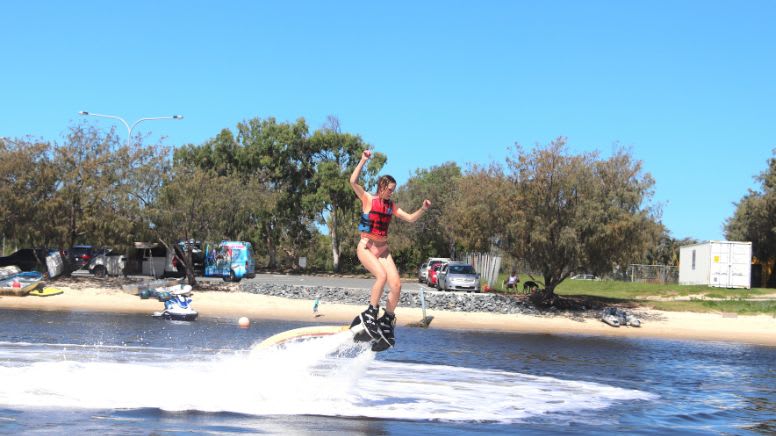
(375, 222)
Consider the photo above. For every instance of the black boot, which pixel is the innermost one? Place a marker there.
(368, 319)
(386, 324)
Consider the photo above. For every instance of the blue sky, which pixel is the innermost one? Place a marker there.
(688, 86)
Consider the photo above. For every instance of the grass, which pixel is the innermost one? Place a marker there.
(740, 307)
(688, 298)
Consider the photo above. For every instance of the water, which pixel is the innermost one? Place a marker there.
(133, 374)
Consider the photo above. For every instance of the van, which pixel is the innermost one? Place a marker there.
(230, 260)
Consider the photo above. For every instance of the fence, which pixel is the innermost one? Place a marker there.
(653, 273)
(488, 265)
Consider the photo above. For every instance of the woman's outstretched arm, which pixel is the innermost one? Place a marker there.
(414, 216)
(358, 189)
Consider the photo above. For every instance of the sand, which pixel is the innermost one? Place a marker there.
(231, 305)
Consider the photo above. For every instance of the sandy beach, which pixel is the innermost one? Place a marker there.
(233, 304)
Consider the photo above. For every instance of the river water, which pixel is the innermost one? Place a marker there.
(132, 374)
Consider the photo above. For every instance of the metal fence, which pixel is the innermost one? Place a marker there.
(653, 273)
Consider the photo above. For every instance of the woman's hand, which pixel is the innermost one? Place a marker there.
(366, 154)
(426, 204)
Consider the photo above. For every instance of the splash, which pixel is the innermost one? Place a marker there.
(330, 376)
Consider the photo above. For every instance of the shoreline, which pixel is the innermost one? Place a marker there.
(233, 304)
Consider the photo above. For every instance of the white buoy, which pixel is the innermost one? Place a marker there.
(244, 322)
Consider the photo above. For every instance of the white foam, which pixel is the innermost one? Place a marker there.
(329, 376)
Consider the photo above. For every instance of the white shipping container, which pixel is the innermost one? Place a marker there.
(723, 264)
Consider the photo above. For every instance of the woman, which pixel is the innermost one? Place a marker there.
(377, 211)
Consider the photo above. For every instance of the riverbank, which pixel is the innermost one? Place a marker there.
(230, 303)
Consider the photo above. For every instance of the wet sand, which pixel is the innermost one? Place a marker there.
(233, 304)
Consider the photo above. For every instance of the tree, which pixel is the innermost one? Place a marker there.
(579, 212)
(434, 235)
(755, 216)
(195, 203)
(280, 156)
(485, 208)
(104, 185)
(28, 182)
(336, 155)
(666, 249)
(273, 159)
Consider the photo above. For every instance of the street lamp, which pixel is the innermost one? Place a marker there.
(129, 128)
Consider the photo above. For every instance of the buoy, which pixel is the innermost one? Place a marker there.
(244, 322)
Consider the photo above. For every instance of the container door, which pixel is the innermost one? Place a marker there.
(740, 266)
(719, 272)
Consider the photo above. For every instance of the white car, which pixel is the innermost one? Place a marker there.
(584, 277)
(108, 263)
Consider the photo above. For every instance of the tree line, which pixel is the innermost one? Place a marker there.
(755, 219)
(285, 188)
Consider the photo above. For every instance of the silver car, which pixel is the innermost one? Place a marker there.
(458, 276)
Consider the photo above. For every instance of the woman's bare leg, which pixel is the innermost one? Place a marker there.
(374, 266)
(394, 283)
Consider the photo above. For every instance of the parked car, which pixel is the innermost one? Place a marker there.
(422, 272)
(584, 277)
(433, 273)
(26, 259)
(426, 266)
(79, 256)
(458, 276)
(107, 262)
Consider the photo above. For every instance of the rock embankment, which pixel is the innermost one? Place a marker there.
(435, 300)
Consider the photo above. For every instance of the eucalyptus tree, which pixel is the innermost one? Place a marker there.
(195, 203)
(437, 233)
(484, 209)
(274, 163)
(336, 155)
(755, 216)
(579, 212)
(280, 159)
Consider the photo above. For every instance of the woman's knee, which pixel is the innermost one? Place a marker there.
(395, 284)
(381, 276)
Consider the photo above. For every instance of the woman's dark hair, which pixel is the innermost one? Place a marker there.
(383, 183)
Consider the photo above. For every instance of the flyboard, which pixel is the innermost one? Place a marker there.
(313, 332)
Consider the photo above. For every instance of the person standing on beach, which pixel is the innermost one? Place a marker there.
(373, 253)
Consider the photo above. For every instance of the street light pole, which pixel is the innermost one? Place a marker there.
(127, 125)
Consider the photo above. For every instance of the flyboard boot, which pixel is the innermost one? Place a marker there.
(385, 324)
(364, 326)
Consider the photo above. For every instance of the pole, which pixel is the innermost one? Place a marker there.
(423, 302)
(126, 124)
(426, 319)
